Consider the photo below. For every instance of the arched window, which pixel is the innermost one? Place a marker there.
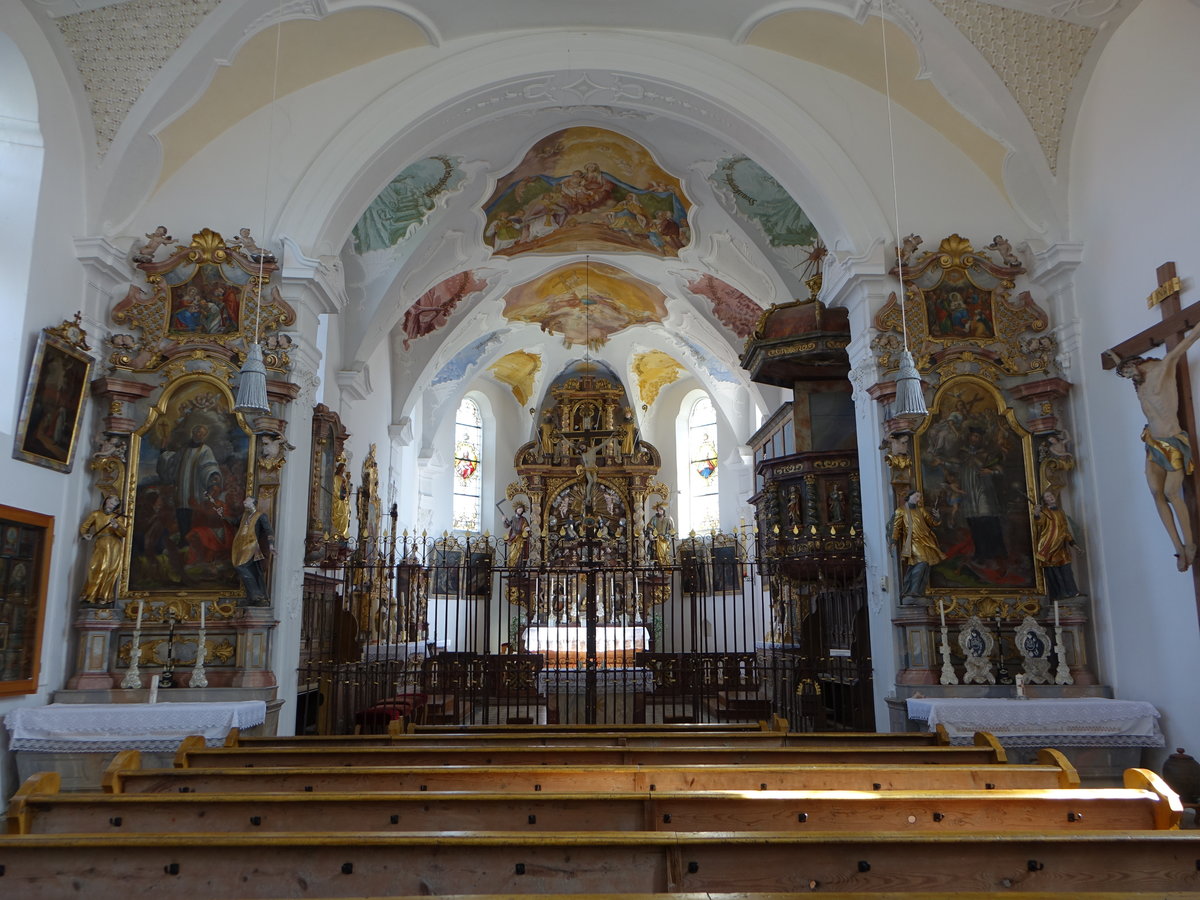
(468, 462)
(703, 511)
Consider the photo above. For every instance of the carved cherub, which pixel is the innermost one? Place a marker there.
(247, 245)
(1005, 249)
(271, 448)
(155, 239)
(277, 342)
(111, 446)
(1058, 444)
(908, 247)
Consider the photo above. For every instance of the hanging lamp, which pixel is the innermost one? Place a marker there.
(910, 397)
(252, 379)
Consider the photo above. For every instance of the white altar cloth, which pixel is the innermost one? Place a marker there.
(573, 638)
(106, 727)
(1071, 722)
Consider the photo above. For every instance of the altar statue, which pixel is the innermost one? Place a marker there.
(107, 527)
(912, 533)
(661, 530)
(248, 554)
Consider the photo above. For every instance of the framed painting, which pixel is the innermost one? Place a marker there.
(447, 568)
(329, 492)
(190, 469)
(24, 572)
(48, 427)
(976, 473)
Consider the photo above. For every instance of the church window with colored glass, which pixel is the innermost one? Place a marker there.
(468, 441)
(702, 467)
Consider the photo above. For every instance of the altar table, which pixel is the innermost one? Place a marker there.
(1057, 722)
(107, 727)
(566, 645)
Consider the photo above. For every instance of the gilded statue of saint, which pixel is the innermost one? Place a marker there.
(340, 512)
(107, 527)
(912, 533)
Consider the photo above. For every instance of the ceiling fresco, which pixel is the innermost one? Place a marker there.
(586, 303)
(405, 203)
(518, 370)
(587, 189)
(655, 370)
(759, 198)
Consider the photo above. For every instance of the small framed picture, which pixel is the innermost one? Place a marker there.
(48, 427)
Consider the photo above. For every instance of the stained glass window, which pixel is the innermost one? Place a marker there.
(702, 467)
(468, 443)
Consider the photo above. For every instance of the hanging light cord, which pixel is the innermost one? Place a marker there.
(267, 176)
(887, 87)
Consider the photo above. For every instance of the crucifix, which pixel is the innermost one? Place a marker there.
(1164, 390)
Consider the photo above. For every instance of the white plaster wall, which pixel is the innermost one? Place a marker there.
(1134, 204)
(46, 287)
(367, 421)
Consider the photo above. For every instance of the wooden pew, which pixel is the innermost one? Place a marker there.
(124, 775)
(194, 754)
(603, 736)
(358, 864)
(1146, 803)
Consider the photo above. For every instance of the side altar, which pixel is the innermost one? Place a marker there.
(180, 548)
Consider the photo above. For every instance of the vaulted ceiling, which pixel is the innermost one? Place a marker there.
(550, 217)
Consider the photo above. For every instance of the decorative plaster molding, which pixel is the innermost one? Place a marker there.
(321, 280)
(1038, 58)
(401, 433)
(355, 384)
(119, 49)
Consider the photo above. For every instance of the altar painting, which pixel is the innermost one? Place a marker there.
(976, 474)
(190, 472)
(587, 188)
(206, 299)
(585, 303)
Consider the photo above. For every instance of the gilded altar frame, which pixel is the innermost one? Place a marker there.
(327, 539)
(191, 463)
(975, 469)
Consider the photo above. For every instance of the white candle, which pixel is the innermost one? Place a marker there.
(141, 607)
(1056, 614)
(1020, 685)
(942, 613)
(154, 689)
(201, 615)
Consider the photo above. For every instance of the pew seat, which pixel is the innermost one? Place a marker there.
(358, 864)
(125, 775)
(1145, 803)
(194, 754)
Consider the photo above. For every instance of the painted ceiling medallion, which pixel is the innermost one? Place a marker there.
(585, 303)
(584, 189)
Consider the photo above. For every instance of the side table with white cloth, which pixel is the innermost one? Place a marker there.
(78, 740)
(1101, 737)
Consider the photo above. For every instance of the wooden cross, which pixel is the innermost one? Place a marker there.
(1176, 322)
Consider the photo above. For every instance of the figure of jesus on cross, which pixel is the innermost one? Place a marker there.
(1159, 390)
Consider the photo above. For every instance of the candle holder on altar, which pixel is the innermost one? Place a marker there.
(199, 679)
(948, 676)
(167, 678)
(133, 677)
(1062, 674)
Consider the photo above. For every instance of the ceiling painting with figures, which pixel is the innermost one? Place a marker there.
(587, 189)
